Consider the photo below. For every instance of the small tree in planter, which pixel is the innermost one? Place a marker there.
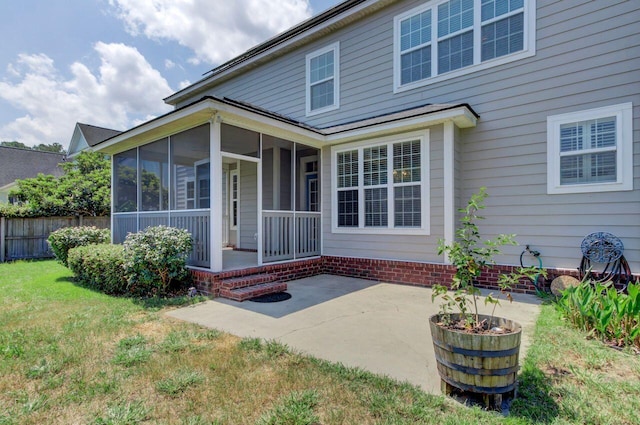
(471, 256)
(465, 339)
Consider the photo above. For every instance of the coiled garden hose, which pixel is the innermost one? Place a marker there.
(536, 254)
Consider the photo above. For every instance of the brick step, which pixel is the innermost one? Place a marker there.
(248, 280)
(246, 292)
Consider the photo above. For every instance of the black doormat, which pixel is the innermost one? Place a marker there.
(271, 298)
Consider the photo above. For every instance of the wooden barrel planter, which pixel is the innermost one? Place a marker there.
(481, 363)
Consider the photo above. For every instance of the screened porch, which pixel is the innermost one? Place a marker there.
(262, 190)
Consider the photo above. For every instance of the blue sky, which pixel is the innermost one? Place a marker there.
(110, 62)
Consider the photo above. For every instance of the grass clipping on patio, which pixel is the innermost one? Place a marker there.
(71, 355)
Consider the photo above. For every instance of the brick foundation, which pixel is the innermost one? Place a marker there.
(392, 271)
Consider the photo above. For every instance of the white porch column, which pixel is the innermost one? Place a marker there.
(449, 185)
(112, 196)
(259, 206)
(215, 207)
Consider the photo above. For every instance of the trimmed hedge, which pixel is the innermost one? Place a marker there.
(99, 267)
(62, 240)
(155, 257)
(148, 263)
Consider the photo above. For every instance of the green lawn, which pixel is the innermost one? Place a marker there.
(70, 355)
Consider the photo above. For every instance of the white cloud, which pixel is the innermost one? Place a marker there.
(215, 30)
(125, 89)
(169, 64)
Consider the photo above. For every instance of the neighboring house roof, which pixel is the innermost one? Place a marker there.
(94, 135)
(315, 27)
(16, 163)
(87, 136)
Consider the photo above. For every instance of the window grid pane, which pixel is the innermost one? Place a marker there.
(348, 169)
(321, 67)
(503, 37)
(415, 65)
(375, 165)
(600, 133)
(322, 95)
(415, 31)
(375, 207)
(454, 16)
(589, 168)
(603, 167)
(455, 52)
(603, 132)
(348, 208)
(408, 206)
(406, 162)
(494, 8)
(571, 137)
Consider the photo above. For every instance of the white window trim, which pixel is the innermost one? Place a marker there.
(529, 44)
(425, 185)
(335, 47)
(624, 149)
(188, 180)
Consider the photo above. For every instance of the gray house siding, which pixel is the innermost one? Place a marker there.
(587, 56)
(248, 206)
(507, 151)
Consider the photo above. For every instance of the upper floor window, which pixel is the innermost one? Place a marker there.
(449, 38)
(323, 79)
(590, 151)
(381, 186)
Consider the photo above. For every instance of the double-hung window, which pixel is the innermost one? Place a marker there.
(590, 151)
(381, 186)
(444, 39)
(322, 79)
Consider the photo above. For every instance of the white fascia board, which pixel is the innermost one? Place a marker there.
(279, 48)
(461, 117)
(266, 125)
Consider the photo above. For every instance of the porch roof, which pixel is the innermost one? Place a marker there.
(252, 117)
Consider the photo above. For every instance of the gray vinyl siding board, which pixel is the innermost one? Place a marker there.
(248, 205)
(267, 179)
(587, 56)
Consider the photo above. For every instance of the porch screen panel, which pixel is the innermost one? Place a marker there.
(239, 141)
(190, 157)
(125, 171)
(154, 176)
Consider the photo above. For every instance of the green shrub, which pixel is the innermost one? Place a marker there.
(155, 257)
(99, 267)
(601, 310)
(62, 240)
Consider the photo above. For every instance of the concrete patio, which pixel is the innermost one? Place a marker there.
(378, 327)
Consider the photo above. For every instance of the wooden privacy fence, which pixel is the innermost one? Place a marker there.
(26, 238)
